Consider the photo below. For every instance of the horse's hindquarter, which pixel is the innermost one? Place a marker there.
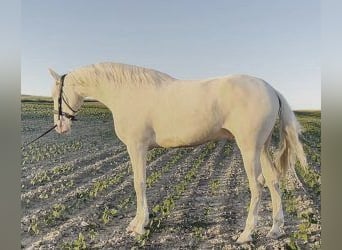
(251, 106)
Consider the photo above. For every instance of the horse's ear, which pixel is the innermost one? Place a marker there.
(55, 75)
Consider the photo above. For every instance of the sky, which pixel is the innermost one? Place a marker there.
(278, 41)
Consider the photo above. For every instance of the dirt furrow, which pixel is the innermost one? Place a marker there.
(213, 220)
(191, 203)
(70, 167)
(85, 184)
(31, 129)
(229, 205)
(120, 239)
(115, 231)
(53, 235)
(305, 226)
(89, 211)
(50, 161)
(70, 197)
(80, 179)
(311, 183)
(313, 158)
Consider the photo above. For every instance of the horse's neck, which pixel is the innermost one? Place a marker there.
(103, 92)
(110, 94)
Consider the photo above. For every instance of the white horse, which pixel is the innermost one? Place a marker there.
(152, 109)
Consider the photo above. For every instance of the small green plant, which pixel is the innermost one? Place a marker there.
(39, 178)
(92, 234)
(83, 195)
(57, 210)
(211, 145)
(33, 226)
(227, 149)
(153, 178)
(290, 202)
(98, 187)
(55, 213)
(206, 211)
(214, 185)
(312, 179)
(77, 244)
(65, 168)
(164, 208)
(141, 239)
(80, 242)
(107, 214)
(102, 185)
(292, 245)
(124, 203)
(198, 232)
(168, 205)
(180, 188)
(154, 154)
(310, 217)
(303, 231)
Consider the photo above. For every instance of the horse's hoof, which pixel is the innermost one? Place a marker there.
(275, 234)
(244, 238)
(134, 234)
(135, 229)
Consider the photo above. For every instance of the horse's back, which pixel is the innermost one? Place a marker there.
(222, 96)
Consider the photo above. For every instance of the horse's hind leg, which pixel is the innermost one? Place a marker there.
(272, 182)
(251, 159)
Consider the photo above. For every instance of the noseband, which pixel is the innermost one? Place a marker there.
(62, 99)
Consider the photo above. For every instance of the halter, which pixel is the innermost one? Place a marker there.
(62, 99)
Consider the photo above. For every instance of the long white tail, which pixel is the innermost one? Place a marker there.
(290, 146)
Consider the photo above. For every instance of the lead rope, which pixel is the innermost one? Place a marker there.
(50, 129)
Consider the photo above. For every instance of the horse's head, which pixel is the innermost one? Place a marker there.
(66, 102)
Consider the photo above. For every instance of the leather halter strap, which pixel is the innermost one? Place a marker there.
(61, 99)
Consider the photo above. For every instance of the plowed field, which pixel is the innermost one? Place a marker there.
(77, 190)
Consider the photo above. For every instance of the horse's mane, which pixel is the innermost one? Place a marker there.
(119, 74)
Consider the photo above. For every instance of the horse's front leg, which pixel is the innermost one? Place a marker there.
(137, 153)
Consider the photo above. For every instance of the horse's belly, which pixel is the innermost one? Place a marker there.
(189, 138)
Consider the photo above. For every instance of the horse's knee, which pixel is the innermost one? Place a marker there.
(261, 179)
(273, 185)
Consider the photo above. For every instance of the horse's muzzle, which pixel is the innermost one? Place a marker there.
(63, 126)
